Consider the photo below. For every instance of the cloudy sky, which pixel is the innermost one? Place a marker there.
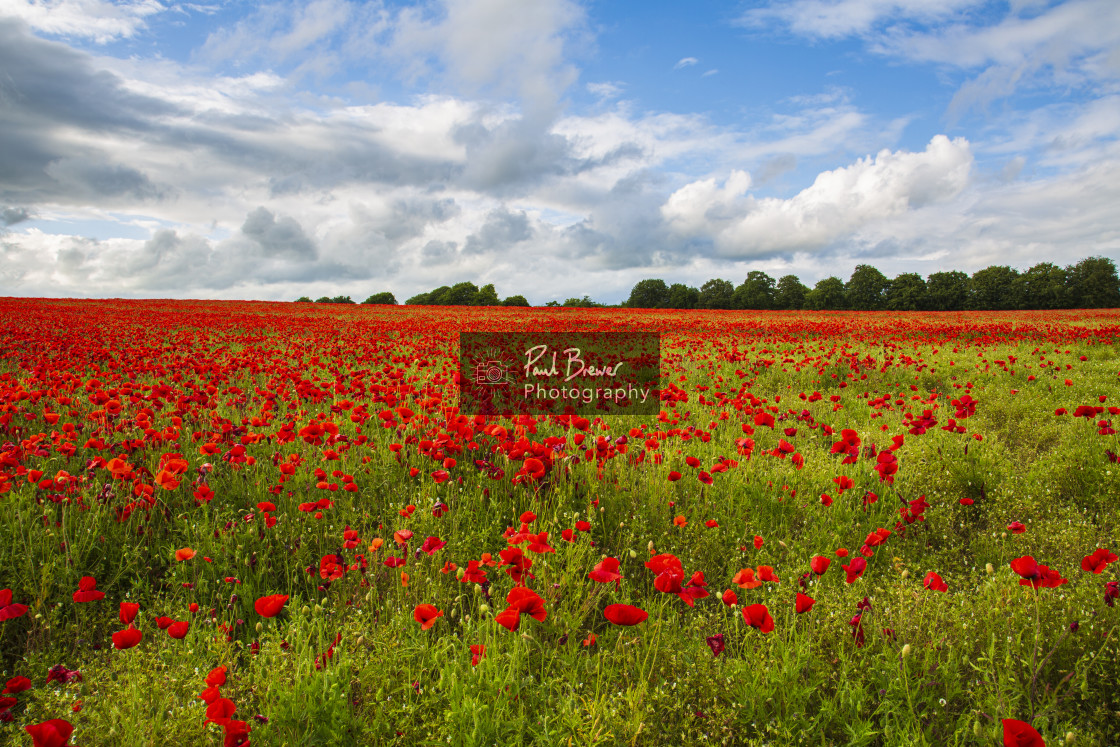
(550, 147)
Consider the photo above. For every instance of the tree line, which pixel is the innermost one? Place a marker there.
(1092, 283)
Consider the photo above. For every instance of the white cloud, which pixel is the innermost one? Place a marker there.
(685, 62)
(98, 20)
(838, 202)
(832, 19)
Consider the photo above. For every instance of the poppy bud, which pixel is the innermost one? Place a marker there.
(1070, 737)
(324, 602)
(633, 554)
(318, 609)
(650, 547)
(361, 640)
(460, 573)
(990, 569)
(906, 574)
(905, 650)
(484, 608)
(259, 627)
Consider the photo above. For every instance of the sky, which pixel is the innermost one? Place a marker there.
(553, 148)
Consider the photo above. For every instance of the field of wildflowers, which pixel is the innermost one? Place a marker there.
(234, 523)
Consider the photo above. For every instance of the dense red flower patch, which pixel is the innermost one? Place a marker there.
(282, 418)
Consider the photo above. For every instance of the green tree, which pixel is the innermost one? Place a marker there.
(649, 294)
(756, 292)
(716, 294)
(385, 298)
(486, 296)
(303, 299)
(790, 293)
(994, 289)
(682, 296)
(1093, 284)
(581, 303)
(516, 301)
(907, 292)
(1042, 287)
(866, 289)
(827, 294)
(948, 291)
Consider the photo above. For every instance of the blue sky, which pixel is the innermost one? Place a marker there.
(553, 148)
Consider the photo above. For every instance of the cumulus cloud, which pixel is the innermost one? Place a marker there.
(277, 238)
(838, 202)
(97, 20)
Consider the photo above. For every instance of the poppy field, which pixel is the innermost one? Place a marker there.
(260, 523)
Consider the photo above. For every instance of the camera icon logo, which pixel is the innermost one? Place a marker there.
(489, 372)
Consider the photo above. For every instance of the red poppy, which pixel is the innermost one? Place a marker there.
(270, 606)
(216, 677)
(478, 652)
(716, 643)
(1036, 576)
(730, 597)
(87, 590)
(766, 573)
(16, 685)
(674, 476)
(220, 711)
(1020, 734)
(1098, 561)
(624, 614)
(9, 611)
(855, 569)
(53, 733)
(745, 579)
(758, 616)
(804, 603)
(605, 571)
(178, 630)
(1016, 527)
(426, 615)
(128, 612)
(432, 544)
(934, 582)
(126, 638)
(819, 564)
(237, 734)
(184, 553)
(521, 600)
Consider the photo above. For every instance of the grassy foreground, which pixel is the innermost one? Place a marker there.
(315, 454)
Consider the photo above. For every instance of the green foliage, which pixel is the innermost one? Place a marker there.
(581, 303)
(907, 292)
(756, 292)
(994, 289)
(790, 293)
(1044, 286)
(384, 298)
(948, 291)
(866, 290)
(649, 294)
(716, 294)
(1093, 284)
(682, 296)
(828, 295)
